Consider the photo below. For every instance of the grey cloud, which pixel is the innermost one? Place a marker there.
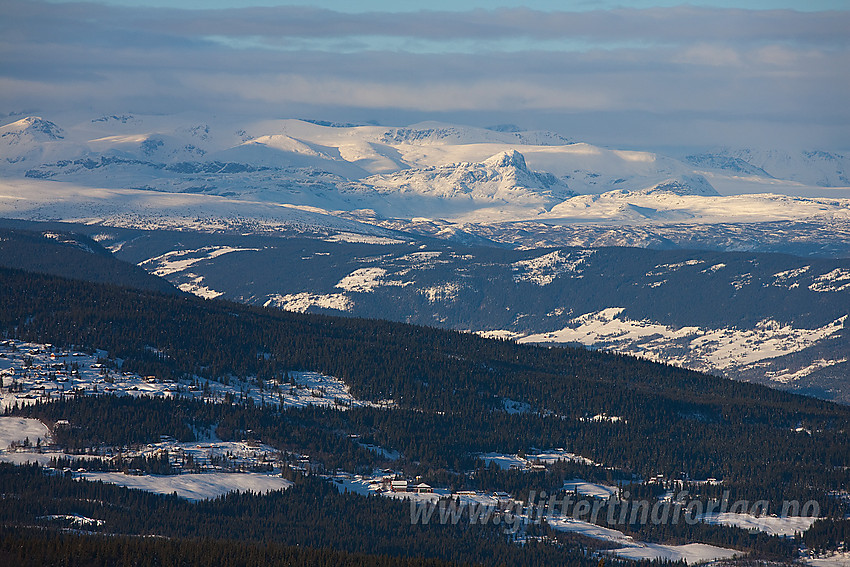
(668, 25)
(719, 70)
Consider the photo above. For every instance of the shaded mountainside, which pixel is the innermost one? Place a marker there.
(72, 255)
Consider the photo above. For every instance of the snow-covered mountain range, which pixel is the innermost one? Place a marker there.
(427, 170)
(417, 224)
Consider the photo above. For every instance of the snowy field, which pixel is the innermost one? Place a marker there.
(584, 488)
(772, 525)
(180, 260)
(589, 530)
(691, 553)
(17, 429)
(194, 486)
(547, 457)
(301, 302)
(544, 269)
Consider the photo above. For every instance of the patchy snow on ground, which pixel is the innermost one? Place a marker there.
(547, 457)
(180, 260)
(424, 257)
(75, 520)
(41, 372)
(352, 237)
(608, 328)
(603, 418)
(663, 269)
(196, 286)
(503, 461)
(301, 302)
(691, 347)
(712, 269)
(773, 525)
(18, 429)
(787, 375)
(834, 281)
(363, 280)
(194, 487)
(501, 334)
(726, 347)
(390, 454)
(544, 269)
(514, 407)
(376, 484)
(551, 456)
(788, 278)
(446, 292)
(691, 553)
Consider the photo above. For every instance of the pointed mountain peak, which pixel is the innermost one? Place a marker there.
(33, 125)
(508, 158)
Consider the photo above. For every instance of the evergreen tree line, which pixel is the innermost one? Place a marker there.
(30, 547)
(312, 514)
(829, 534)
(443, 448)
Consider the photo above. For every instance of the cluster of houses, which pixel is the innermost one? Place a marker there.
(392, 482)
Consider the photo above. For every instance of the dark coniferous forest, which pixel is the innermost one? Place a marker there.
(447, 391)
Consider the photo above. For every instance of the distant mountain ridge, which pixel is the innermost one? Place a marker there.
(433, 170)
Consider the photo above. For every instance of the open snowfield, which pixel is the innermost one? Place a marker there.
(17, 429)
(691, 553)
(772, 525)
(647, 207)
(547, 457)
(194, 487)
(198, 173)
(32, 199)
(584, 488)
(572, 525)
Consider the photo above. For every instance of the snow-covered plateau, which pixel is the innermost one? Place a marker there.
(188, 171)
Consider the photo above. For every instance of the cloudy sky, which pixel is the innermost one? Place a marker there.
(650, 74)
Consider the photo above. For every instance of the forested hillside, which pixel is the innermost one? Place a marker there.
(449, 388)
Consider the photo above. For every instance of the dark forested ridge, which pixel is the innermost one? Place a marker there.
(70, 254)
(448, 391)
(449, 388)
(37, 547)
